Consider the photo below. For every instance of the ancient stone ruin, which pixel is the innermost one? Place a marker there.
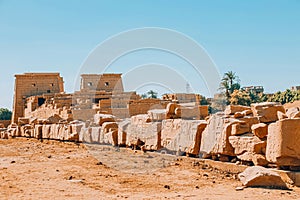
(265, 134)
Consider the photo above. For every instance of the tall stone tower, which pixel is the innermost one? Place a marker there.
(32, 84)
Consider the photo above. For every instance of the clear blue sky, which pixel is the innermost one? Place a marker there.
(259, 39)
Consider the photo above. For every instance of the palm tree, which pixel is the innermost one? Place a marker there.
(230, 82)
(152, 94)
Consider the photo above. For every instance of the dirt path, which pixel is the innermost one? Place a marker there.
(30, 169)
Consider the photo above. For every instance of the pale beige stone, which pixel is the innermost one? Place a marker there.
(258, 176)
(283, 142)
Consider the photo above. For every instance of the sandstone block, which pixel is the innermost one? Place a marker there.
(283, 142)
(182, 135)
(215, 138)
(232, 109)
(99, 119)
(260, 130)
(157, 114)
(147, 134)
(267, 112)
(123, 128)
(240, 128)
(281, 115)
(261, 177)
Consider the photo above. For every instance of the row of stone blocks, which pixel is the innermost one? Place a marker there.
(264, 133)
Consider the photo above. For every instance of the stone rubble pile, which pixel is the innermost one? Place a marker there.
(263, 134)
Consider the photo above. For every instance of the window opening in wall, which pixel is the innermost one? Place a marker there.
(90, 84)
(41, 101)
(33, 84)
(48, 91)
(106, 83)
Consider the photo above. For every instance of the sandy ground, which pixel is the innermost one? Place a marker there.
(30, 169)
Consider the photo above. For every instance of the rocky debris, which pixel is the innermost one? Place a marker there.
(260, 130)
(267, 111)
(283, 142)
(261, 177)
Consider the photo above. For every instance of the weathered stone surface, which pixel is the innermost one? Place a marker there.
(99, 119)
(54, 119)
(283, 142)
(111, 137)
(140, 119)
(291, 111)
(123, 128)
(259, 160)
(240, 128)
(147, 134)
(281, 115)
(232, 109)
(247, 112)
(249, 120)
(260, 130)
(261, 177)
(157, 114)
(46, 131)
(170, 111)
(267, 112)
(108, 127)
(238, 115)
(242, 144)
(38, 131)
(215, 138)
(295, 115)
(182, 135)
(13, 130)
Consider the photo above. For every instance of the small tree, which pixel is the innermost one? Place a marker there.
(230, 82)
(5, 114)
(152, 94)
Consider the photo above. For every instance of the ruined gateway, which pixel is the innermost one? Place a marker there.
(265, 134)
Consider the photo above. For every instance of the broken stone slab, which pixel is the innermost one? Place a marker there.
(281, 115)
(267, 111)
(140, 119)
(240, 128)
(258, 176)
(46, 131)
(260, 130)
(123, 128)
(99, 119)
(292, 111)
(283, 142)
(107, 127)
(232, 109)
(53, 119)
(182, 135)
(215, 137)
(146, 134)
(244, 143)
(111, 137)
